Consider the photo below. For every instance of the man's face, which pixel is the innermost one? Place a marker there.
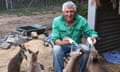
(69, 14)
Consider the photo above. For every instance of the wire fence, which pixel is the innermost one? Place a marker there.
(16, 4)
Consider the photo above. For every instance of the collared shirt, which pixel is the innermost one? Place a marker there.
(61, 29)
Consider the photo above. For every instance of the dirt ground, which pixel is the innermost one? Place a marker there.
(10, 22)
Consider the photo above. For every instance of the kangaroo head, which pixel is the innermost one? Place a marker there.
(83, 48)
(22, 51)
(33, 55)
(95, 57)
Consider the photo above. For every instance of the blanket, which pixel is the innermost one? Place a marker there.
(112, 56)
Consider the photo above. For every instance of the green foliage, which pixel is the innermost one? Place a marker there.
(82, 8)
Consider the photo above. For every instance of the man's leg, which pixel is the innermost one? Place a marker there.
(84, 59)
(58, 55)
(83, 62)
(58, 58)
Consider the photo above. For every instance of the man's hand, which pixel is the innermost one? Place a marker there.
(66, 40)
(93, 40)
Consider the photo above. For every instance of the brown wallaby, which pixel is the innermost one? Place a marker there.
(15, 62)
(34, 65)
(95, 62)
(73, 64)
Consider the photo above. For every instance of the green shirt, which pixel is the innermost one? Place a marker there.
(60, 29)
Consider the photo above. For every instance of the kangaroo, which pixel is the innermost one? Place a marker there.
(34, 65)
(95, 63)
(73, 64)
(15, 62)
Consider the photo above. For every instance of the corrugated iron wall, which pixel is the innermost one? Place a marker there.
(108, 27)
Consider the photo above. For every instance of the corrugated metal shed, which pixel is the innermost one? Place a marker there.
(108, 26)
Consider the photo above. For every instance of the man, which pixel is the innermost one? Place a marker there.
(69, 25)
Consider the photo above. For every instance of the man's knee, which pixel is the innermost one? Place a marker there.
(57, 49)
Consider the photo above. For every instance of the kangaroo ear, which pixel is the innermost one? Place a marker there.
(23, 55)
(37, 52)
(22, 47)
(29, 51)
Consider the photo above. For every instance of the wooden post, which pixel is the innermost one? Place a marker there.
(119, 8)
(11, 4)
(6, 2)
(91, 13)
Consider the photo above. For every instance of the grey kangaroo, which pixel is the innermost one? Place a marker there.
(73, 64)
(34, 65)
(15, 62)
(95, 62)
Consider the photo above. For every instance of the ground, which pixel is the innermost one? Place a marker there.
(10, 22)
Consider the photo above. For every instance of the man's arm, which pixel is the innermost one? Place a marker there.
(56, 34)
(89, 31)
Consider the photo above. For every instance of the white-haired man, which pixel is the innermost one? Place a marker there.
(69, 25)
